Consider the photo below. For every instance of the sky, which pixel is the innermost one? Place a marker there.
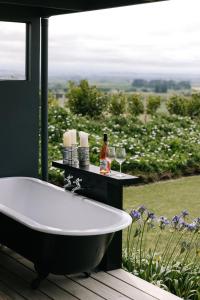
(159, 37)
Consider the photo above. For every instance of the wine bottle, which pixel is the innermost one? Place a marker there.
(104, 162)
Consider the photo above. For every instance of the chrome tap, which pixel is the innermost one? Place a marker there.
(67, 182)
(78, 186)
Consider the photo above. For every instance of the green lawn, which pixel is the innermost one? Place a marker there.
(166, 198)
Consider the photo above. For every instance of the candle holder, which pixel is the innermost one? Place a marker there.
(83, 156)
(70, 155)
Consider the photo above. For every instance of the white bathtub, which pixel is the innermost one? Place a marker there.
(44, 207)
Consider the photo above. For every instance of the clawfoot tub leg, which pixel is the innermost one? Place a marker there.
(41, 276)
(87, 274)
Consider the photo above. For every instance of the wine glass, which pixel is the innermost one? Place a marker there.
(111, 154)
(120, 158)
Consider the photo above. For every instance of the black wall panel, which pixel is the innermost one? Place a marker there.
(19, 111)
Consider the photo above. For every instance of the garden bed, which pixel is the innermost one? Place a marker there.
(166, 147)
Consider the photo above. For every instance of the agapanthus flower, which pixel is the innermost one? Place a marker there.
(163, 222)
(176, 219)
(184, 213)
(151, 215)
(192, 227)
(141, 209)
(135, 215)
(183, 224)
(197, 220)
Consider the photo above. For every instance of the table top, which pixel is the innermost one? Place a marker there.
(112, 177)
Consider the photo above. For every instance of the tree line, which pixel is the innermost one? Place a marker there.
(161, 86)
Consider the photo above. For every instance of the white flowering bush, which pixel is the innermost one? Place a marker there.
(165, 147)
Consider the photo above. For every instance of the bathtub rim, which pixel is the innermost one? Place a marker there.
(125, 217)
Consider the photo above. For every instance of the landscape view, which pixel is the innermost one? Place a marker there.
(137, 80)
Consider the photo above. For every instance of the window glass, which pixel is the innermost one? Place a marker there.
(12, 51)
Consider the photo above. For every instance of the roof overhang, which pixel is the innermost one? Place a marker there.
(54, 7)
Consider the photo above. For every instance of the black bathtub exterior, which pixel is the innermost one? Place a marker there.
(51, 253)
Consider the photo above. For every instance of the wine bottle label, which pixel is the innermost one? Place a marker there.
(103, 166)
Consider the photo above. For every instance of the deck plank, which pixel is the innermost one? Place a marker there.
(7, 294)
(125, 289)
(101, 289)
(142, 285)
(66, 284)
(20, 286)
(16, 273)
(47, 288)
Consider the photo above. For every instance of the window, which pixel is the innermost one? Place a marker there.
(12, 51)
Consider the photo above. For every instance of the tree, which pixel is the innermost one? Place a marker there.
(153, 103)
(117, 104)
(135, 104)
(193, 108)
(177, 105)
(86, 100)
(52, 101)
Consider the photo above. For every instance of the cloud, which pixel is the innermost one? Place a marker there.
(156, 37)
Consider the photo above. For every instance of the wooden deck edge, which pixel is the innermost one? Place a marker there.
(118, 283)
(141, 284)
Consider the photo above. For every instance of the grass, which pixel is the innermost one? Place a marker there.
(166, 198)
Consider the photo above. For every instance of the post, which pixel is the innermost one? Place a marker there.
(113, 256)
(44, 98)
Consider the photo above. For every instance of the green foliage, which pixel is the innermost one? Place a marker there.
(52, 101)
(176, 267)
(177, 105)
(183, 106)
(153, 103)
(117, 104)
(165, 147)
(193, 109)
(86, 100)
(135, 104)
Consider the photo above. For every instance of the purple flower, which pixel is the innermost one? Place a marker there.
(135, 215)
(151, 215)
(197, 220)
(175, 219)
(163, 222)
(184, 213)
(183, 224)
(141, 209)
(192, 227)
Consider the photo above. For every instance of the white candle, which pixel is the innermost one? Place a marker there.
(67, 139)
(83, 139)
(73, 136)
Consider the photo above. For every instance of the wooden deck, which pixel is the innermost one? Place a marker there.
(16, 273)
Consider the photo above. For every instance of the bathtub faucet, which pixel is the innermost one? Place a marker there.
(77, 185)
(67, 182)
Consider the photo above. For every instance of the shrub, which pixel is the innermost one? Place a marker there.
(153, 103)
(86, 100)
(177, 105)
(52, 101)
(167, 146)
(135, 104)
(193, 109)
(117, 104)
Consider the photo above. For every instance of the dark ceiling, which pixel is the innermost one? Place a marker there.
(55, 7)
